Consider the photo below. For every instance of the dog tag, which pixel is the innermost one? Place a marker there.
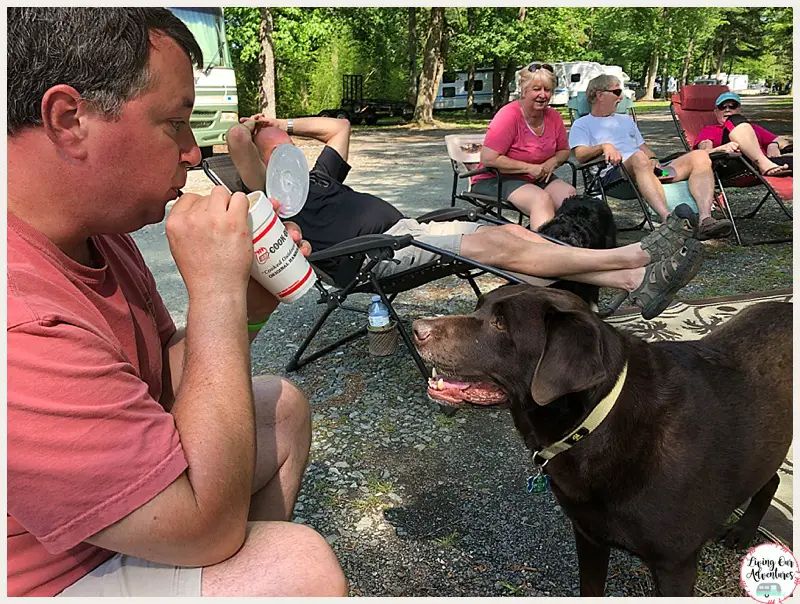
(539, 483)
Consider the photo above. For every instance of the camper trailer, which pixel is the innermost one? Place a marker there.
(574, 77)
(452, 92)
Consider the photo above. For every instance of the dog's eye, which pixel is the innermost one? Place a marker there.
(498, 323)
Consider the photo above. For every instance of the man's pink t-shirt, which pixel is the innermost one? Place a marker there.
(88, 440)
(715, 131)
(510, 135)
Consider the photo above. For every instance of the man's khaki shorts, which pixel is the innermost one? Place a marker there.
(444, 235)
(123, 575)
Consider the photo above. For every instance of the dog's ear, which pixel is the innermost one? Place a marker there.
(572, 356)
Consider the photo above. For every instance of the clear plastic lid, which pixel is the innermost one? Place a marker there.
(287, 179)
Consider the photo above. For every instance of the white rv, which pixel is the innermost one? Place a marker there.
(574, 77)
(452, 92)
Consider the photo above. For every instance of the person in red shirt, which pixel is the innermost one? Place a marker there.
(771, 154)
(527, 141)
(141, 459)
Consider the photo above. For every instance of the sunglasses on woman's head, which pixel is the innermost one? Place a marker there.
(725, 106)
(536, 66)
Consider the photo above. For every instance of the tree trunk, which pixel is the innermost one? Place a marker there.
(652, 71)
(508, 76)
(471, 68)
(432, 68)
(687, 61)
(706, 55)
(471, 89)
(412, 54)
(721, 57)
(266, 62)
(497, 82)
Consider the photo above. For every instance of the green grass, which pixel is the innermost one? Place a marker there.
(448, 541)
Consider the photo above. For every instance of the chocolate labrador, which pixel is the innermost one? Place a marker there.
(693, 429)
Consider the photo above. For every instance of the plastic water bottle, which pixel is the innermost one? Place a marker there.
(378, 313)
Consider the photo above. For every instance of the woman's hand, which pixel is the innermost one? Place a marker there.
(773, 149)
(548, 168)
(536, 171)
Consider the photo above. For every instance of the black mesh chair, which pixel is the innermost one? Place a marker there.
(358, 261)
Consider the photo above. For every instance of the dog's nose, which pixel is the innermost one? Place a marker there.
(422, 330)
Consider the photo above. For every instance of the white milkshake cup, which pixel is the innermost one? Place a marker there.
(278, 264)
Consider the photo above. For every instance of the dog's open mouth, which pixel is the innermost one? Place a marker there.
(456, 392)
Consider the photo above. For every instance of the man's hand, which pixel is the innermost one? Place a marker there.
(611, 154)
(211, 242)
(257, 121)
(261, 303)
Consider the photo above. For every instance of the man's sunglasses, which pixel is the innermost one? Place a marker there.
(616, 91)
(537, 66)
(725, 106)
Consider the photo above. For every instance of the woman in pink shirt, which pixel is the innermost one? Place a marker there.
(527, 141)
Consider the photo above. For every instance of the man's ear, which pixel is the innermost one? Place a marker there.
(64, 118)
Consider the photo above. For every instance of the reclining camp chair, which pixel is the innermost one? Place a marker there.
(464, 151)
(624, 189)
(356, 273)
(693, 108)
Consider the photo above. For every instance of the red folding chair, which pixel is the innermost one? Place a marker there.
(693, 108)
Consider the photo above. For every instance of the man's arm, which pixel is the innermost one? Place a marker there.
(333, 132)
(586, 153)
(201, 517)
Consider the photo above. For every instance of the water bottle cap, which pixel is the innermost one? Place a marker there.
(287, 179)
(376, 298)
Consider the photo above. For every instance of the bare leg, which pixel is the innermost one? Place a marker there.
(246, 157)
(283, 439)
(744, 136)
(277, 559)
(559, 191)
(641, 170)
(535, 202)
(513, 248)
(696, 167)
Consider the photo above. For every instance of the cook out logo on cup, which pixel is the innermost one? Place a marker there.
(769, 573)
(278, 264)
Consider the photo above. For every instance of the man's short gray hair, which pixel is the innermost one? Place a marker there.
(601, 82)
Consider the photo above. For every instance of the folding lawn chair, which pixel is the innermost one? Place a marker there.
(624, 189)
(464, 151)
(358, 259)
(693, 108)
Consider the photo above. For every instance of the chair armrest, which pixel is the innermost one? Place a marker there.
(717, 155)
(360, 245)
(595, 162)
(483, 170)
(448, 214)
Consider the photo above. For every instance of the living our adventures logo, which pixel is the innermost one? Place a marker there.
(262, 255)
(769, 573)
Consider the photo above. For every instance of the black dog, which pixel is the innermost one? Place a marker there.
(582, 221)
(696, 429)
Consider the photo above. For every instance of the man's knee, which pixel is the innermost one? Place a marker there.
(238, 136)
(291, 404)
(700, 159)
(638, 162)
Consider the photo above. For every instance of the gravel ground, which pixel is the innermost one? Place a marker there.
(416, 503)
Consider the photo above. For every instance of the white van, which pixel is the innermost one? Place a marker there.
(452, 92)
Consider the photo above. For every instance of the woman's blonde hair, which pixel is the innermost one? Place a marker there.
(601, 82)
(526, 78)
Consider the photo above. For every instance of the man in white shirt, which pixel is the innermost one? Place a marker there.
(617, 138)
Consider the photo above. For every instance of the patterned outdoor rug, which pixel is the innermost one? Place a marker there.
(691, 320)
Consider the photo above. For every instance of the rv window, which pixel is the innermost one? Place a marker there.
(478, 85)
(575, 77)
(449, 92)
(448, 78)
